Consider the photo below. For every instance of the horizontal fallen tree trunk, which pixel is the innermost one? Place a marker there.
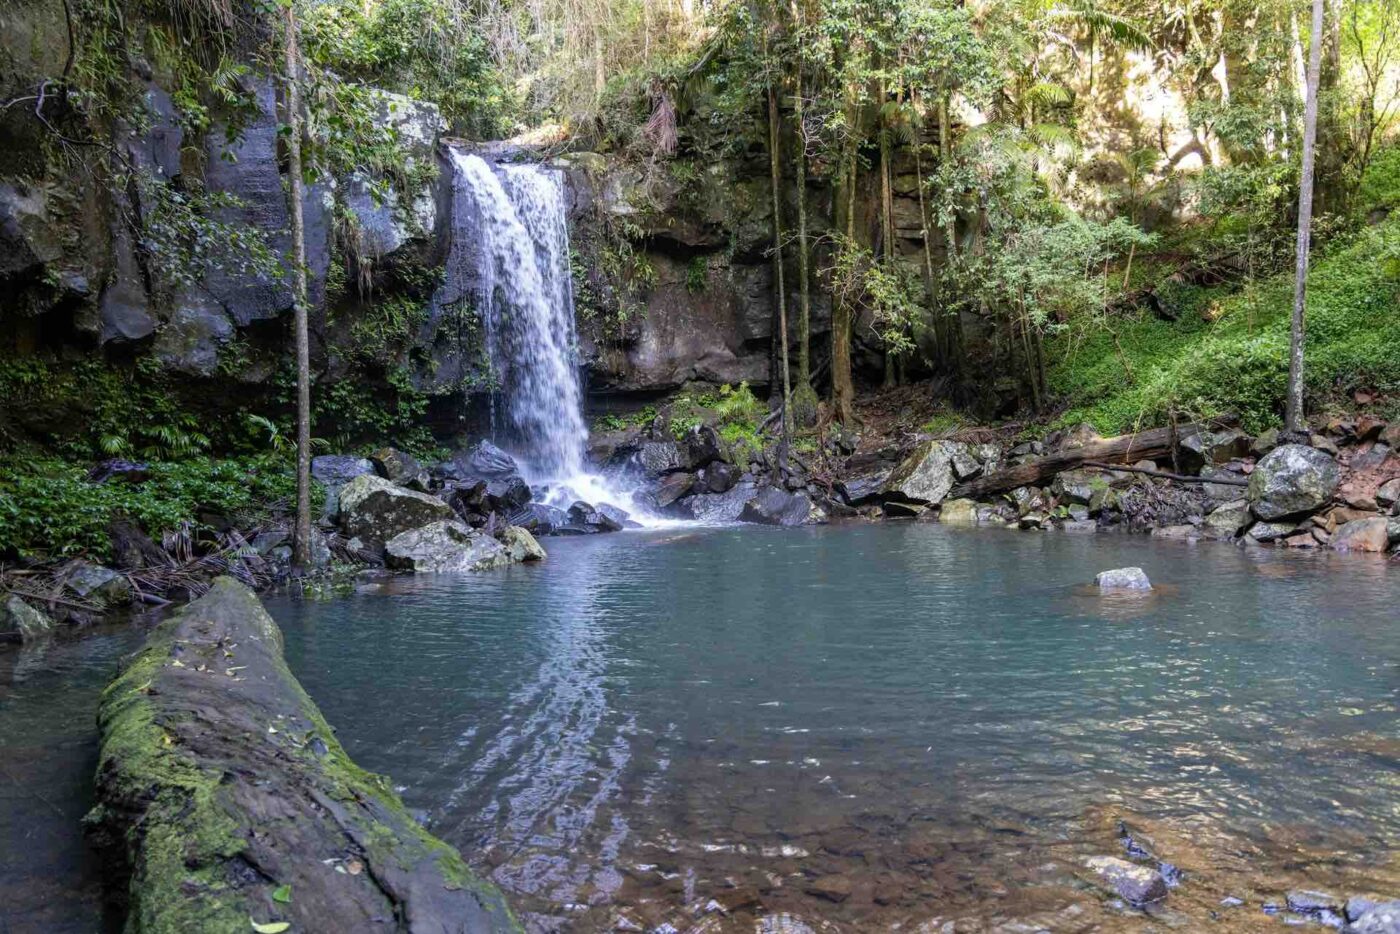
(1144, 445)
(232, 807)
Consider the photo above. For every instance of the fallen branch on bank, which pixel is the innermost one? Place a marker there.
(1144, 445)
(1179, 478)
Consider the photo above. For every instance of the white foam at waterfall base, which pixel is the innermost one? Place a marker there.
(525, 297)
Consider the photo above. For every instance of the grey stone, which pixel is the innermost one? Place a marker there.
(671, 488)
(339, 469)
(958, 512)
(376, 510)
(190, 341)
(1362, 535)
(1123, 579)
(1309, 902)
(771, 506)
(446, 546)
(1271, 531)
(98, 583)
(1388, 493)
(1292, 480)
(1228, 520)
(925, 476)
(1383, 918)
(520, 545)
(1137, 885)
(1264, 443)
(719, 507)
(28, 239)
(19, 620)
(538, 518)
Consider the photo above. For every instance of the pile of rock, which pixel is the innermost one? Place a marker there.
(1338, 487)
(696, 475)
(387, 511)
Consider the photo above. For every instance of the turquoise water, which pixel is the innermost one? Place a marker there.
(50, 879)
(870, 726)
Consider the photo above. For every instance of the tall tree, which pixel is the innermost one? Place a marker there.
(301, 537)
(1293, 418)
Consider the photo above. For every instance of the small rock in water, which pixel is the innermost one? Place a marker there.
(1230, 901)
(1306, 902)
(1136, 884)
(1382, 918)
(1123, 579)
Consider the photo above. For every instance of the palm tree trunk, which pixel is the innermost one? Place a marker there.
(1294, 415)
(301, 537)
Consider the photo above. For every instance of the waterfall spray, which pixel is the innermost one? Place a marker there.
(519, 245)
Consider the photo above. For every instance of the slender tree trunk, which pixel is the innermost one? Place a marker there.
(804, 320)
(842, 390)
(301, 537)
(775, 164)
(1294, 415)
(953, 326)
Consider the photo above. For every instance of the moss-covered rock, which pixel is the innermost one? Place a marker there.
(232, 804)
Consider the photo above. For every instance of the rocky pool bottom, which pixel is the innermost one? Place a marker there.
(848, 728)
(880, 727)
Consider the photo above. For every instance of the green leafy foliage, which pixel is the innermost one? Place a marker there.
(1238, 361)
(48, 506)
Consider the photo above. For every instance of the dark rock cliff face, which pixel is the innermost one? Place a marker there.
(674, 273)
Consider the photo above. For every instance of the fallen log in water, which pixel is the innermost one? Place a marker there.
(233, 808)
(1144, 445)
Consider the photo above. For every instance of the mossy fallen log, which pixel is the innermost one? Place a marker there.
(234, 809)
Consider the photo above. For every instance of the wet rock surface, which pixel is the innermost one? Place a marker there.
(230, 801)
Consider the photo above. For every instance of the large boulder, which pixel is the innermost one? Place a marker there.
(772, 506)
(230, 800)
(20, 622)
(485, 480)
(958, 512)
(448, 545)
(375, 510)
(717, 507)
(592, 517)
(925, 476)
(1292, 480)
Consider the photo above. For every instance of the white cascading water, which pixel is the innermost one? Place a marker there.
(519, 244)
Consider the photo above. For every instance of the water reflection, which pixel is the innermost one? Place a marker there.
(871, 726)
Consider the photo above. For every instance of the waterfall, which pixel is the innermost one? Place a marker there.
(510, 251)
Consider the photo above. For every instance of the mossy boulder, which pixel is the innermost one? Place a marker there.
(231, 804)
(375, 510)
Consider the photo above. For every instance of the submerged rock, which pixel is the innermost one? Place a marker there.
(375, 510)
(220, 784)
(1123, 579)
(1292, 480)
(1138, 885)
(21, 622)
(448, 545)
